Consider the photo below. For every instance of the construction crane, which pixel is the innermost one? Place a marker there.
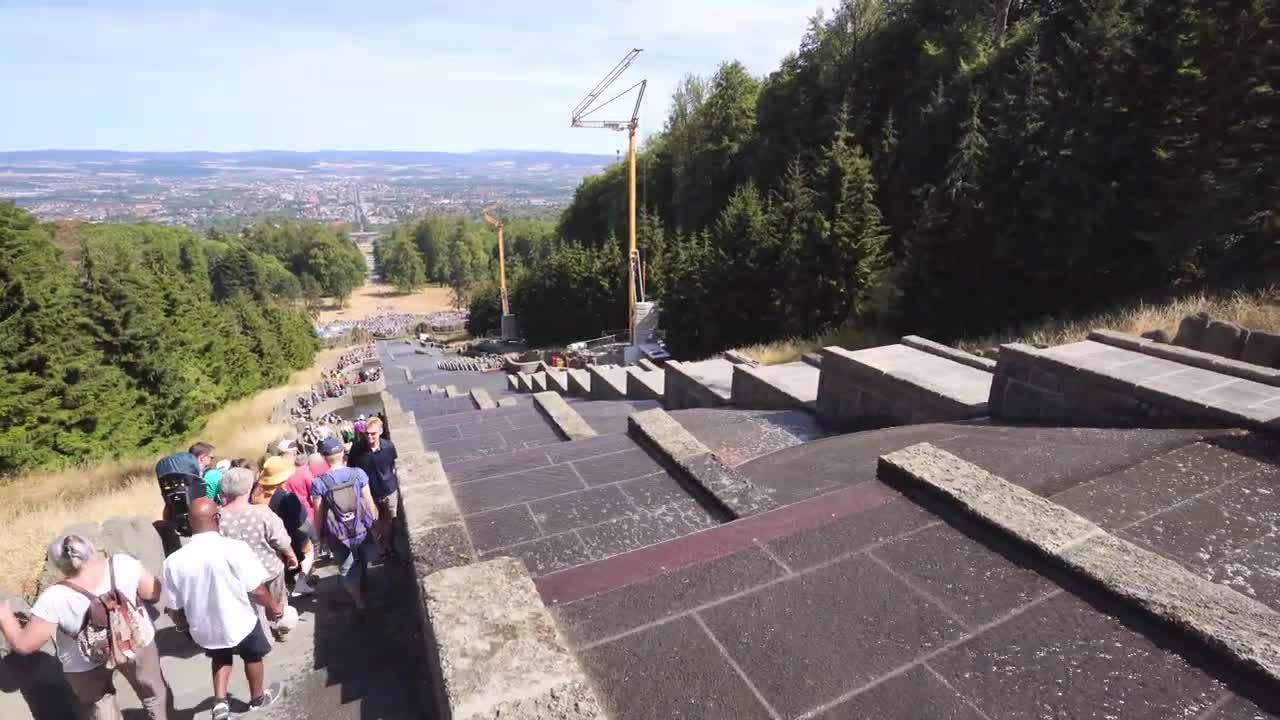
(502, 258)
(579, 119)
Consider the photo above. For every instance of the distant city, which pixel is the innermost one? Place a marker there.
(367, 190)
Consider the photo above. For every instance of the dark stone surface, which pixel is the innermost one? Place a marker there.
(646, 528)
(1253, 570)
(973, 582)
(518, 487)
(440, 548)
(1190, 330)
(655, 490)
(439, 434)
(850, 533)
(1262, 348)
(609, 417)
(469, 448)
(514, 461)
(619, 466)
(1205, 531)
(1159, 336)
(578, 449)
(580, 509)
(738, 436)
(589, 620)
(916, 694)
(531, 434)
(502, 527)
(806, 641)
(546, 555)
(1063, 659)
(670, 671)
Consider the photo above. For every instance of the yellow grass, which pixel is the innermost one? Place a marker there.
(374, 298)
(1255, 310)
(34, 507)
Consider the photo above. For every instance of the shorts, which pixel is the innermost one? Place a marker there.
(252, 648)
(352, 563)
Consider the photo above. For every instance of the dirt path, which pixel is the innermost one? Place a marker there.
(373, 298)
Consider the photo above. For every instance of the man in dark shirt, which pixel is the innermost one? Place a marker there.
(376, 456)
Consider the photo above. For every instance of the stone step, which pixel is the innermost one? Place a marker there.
(897, 385)
(1092, 383)
(579, 382)
(538, 381)
(645, 384)
(512, 384)
(646, 364)
(707, 383)
(482, 399)
(608, 382)
(558, 380)
(789, 385)
(452, 391)
(524, 382)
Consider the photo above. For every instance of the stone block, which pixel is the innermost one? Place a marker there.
(1159, 336)
(1262, 348)
(608, 383)
(1021, 401)
(538, 381)
(512, 383)
(579, 382)
(481, 398)
(508, 402)
(645, 384)
(558, 380)
(452, 391)
(565, 419)
(1223, 338)
(501, 654)
(1191, 330)
(1045, 380)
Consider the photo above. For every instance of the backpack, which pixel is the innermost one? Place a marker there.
(111, 632)
(346, 518)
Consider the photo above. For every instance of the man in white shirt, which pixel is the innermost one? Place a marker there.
(212, 584)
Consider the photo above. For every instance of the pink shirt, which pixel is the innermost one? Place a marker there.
(299, 484)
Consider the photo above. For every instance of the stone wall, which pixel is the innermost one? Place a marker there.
(1031, 387)
(852, 396)
(683, 391)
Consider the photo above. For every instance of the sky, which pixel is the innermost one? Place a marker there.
(402, 75)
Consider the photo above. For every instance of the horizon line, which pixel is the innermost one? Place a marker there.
(301, 152)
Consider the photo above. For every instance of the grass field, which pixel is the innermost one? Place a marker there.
(34, 507)
(374, 298)
(1255, 310)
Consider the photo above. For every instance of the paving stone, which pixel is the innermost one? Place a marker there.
(808, 640)
(528, 418)
(1253, 570)
(850, 533)
(518, 487)
(546, 555)
(642, 529)
(1239, 708)
(619, 466)
(587, 621)
(514, 461)
(580, 509)
(1063, 659)
(1204, 531)
(470, 448)
(440, 434)
(973, 582)
(601, 445)
(656, 490)
(635, 677)
(502, 527)
(916, 694)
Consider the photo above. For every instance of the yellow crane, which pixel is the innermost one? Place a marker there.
(579, 119)
(502, 258)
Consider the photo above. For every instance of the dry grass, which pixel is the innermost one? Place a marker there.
(373, 298)
(34, 507)
(1255, 310)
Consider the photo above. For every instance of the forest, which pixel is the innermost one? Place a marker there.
(947, 167)
(119, 340)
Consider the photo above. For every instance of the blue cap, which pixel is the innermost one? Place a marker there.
(330, 446)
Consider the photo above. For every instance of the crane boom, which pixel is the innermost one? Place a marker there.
(604, 84)
(502, 258)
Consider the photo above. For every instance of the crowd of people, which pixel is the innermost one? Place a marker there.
(257, 531)
(475, 364)
(394, 324)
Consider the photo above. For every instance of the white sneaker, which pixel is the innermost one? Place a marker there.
(302, 587)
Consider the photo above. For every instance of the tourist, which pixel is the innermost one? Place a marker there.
(377, 458)
(294, 514)
(317, 465)
(61, 613)
(344, 514)
(212, 585)
(299, 482)
(258, 527)
(203, 453)
(213, 479)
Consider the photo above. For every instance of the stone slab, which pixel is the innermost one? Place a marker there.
(547, 555)
(645, 384)
(579, 382)
(558, 380)
(728, 488)
(617, 467)
(538, 381)
(503, 490)
(452, 391)
(513, 384)
(950, 353)
(1242, 629)
(943, 376)
(500, 652)
(708, 383)
(917, 694)
(567, 421)
(502, 527)
(788, 385)
(608, 383)
(508, 402)
(646, 364)
(481, 398)
(1258, 372)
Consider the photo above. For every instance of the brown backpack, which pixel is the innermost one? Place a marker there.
(111, 633)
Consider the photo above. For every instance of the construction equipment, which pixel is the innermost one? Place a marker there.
(589, 105)
(508, 320)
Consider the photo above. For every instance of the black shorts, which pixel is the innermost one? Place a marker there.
(252, 648)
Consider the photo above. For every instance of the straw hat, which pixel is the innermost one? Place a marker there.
(275, 471)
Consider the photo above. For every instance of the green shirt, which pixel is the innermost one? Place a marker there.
(212, 484)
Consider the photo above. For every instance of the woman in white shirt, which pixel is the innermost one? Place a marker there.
(59, 613)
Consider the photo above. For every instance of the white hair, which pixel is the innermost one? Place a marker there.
(236, 483)
(70, 553)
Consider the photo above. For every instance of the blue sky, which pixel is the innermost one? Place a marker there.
(404, 75)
